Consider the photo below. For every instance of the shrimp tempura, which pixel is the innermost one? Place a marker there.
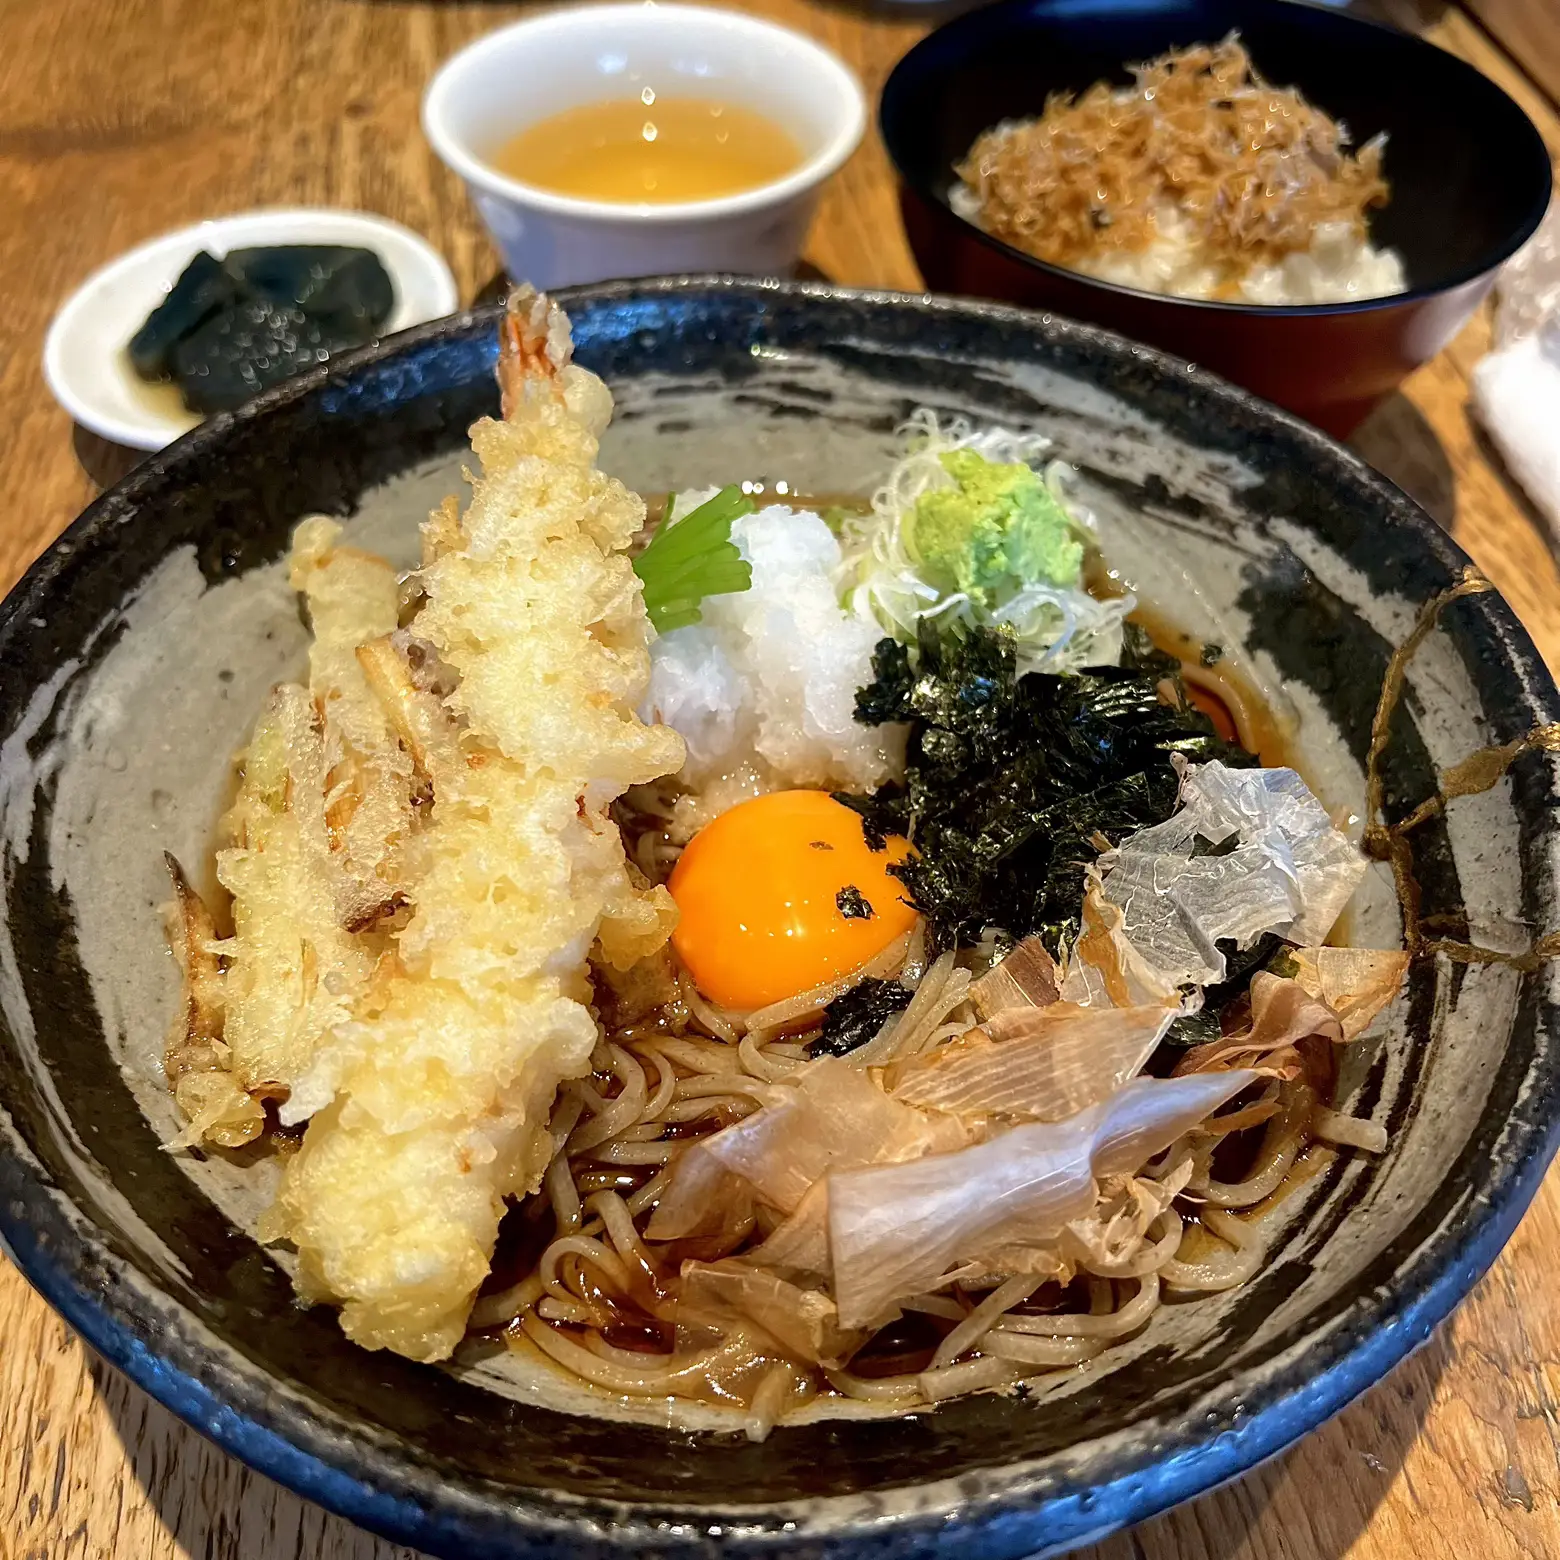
(512, 696)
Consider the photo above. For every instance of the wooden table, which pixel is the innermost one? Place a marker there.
(120, 120)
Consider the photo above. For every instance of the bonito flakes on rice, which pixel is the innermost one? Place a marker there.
(1201, 180)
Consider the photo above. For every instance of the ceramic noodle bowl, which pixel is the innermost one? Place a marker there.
(136, 653)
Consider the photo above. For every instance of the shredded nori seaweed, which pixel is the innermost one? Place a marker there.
(853, 904)
(855, 1017)
(1011, 783)
(1269, 952)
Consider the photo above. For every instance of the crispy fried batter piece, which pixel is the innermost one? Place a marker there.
(353, 597)
(294, 967)
(197, 1061)
(310, 857)
(486, 740)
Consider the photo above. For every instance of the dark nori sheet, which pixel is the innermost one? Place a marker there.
(1014, 784)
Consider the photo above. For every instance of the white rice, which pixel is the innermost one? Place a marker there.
(1339, 267)
(773, 671)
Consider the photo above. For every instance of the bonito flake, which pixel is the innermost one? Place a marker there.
(1250, 851)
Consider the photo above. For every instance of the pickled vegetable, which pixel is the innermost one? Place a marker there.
(230, 328)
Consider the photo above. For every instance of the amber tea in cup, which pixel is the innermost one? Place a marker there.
(650, 149)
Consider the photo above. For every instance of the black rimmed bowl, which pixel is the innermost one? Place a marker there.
(1470, 181)
(134, 655)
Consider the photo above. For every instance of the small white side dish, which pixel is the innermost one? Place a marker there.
(84, 357)
(521, 74)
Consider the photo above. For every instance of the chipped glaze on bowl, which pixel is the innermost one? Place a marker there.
(133, 658)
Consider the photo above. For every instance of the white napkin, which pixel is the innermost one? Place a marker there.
(1516, 388)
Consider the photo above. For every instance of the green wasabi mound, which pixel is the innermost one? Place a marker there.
(977, 529)
(997, 529)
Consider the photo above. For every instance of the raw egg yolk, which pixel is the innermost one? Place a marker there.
(781, 894)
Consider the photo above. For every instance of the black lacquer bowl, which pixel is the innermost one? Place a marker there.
(1470, 181)
(134, 656)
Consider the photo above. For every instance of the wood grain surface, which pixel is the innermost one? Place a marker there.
(1529, 30)
(120, 119)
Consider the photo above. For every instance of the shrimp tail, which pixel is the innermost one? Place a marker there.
(534, 347)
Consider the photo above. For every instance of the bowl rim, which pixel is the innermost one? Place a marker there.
(841, 81)
(377, 1484)
(1533, 152)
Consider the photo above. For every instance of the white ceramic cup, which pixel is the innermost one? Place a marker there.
(564, 58)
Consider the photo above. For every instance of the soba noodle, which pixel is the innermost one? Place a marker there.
(601, 1301)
